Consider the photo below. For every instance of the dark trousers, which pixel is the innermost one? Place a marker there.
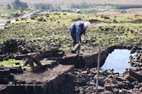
(74, 39)
(75, 42)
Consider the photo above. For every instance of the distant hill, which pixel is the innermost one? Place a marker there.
(128, 2)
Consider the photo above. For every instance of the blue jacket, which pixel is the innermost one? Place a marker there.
(77, 29)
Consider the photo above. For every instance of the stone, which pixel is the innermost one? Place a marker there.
(131, 79)
(140, 89)
(81, 81)
(135, 75)
(116, 91)
(129, 84)
(122, 85)
(84, 72)
(120, 79)
(107, 92)
(101, 81)
(100, 89)
(110, 86)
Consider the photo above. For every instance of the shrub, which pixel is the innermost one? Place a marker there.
(32, 18)
(76, 19)
(41, 19)
(8, 21)
(17, 19)
(47, 15)
(23, 18)
(64, 13)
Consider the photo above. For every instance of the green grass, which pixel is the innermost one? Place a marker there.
(54, 30)
(10, 62)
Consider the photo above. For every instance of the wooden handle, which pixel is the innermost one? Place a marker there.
(76, 47)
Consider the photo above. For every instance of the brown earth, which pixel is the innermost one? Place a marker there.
(55, 74)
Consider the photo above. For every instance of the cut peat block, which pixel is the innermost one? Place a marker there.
(86, 60)
(57, 80)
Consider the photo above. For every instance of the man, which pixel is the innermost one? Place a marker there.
(77, 29)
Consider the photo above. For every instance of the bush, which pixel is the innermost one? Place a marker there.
(23, 18)
(43, 6)
(17, 4)
(41, 19)
(76, 19)
(51, 19)
(33, 18)
(105, 17)
(58, 21)
(65, 14)
(8, 21)
(114, 21)
(47, 15)
(56, 13)
(17, 19)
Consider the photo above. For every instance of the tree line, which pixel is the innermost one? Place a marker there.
(17, 4)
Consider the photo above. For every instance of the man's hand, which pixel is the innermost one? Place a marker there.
(85, 38)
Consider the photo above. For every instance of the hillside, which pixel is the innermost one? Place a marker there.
(77, 1)
(52, 29)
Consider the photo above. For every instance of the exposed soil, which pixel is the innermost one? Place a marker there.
(17, 46)
(55, 78)
(109, 82)
(137, 21)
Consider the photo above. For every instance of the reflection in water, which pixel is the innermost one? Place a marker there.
(117, 60)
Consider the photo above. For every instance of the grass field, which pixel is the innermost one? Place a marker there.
(47, 30)
(10, 62)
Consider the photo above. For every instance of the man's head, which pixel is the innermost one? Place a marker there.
(87, 25)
